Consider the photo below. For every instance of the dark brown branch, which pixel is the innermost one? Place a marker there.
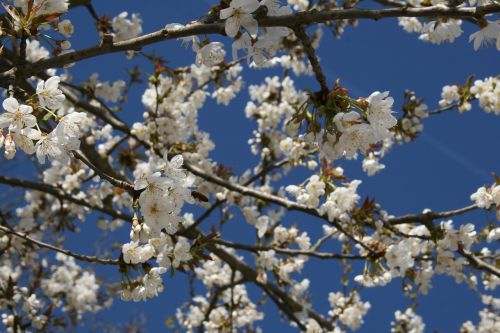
(477, 262)
(80, 257)
(291, 21)
(287, 304)
(218, 292)
(116, 182)
(301, 33)
(61, 195)
(292, 252)
(429, 217)
(252, 179)
(289, 205)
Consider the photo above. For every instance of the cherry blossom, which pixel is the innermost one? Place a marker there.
(17, 116)
(129, 159)
(49, 94)
(239, 14)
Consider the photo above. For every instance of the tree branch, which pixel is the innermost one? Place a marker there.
(116, 182)
(429, 217)
(292, 21)
(286, 303)
(477, 262)
(80, 257)
(301, 33)
(54, 191)
(291, 252)
(289, 205)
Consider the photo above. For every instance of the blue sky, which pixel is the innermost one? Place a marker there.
(455, 154)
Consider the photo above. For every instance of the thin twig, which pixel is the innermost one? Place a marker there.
(301, 33)
(424, 217)
(60, 250)
(292, 252)
(476, 262)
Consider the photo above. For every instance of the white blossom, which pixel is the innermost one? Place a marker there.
(239, 14)
(49, 94)
(16, 116)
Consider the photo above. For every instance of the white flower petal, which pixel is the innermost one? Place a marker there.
(232, 26)
(10, 104)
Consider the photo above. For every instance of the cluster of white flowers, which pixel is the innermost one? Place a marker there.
(448, 30)
(486, 91)
(272, 105)
(23, 128)
(126, 28)
(216, 274)
(489, 318)
(80, 288)
(35, 51)
(161, 202)
(261, 222)
(485, 197)
(239, 15)
(45, 6)
(39, 10)
(411, 122)
(32, 306)
(225, 94)
(355, 134)
(106, 91)
(438, 32)
(446, 263)
(173, 104)
(311, 194)
(168, 254)
(399, 257)
(341, 201)
(348, 309)
(162, 198)
(371, 164)
(407, 321)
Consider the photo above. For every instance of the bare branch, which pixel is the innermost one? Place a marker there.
(292, 252)
(313, 59)
(14, 182)
(80, 257)
(116, 182)
(426, 217)
(477, 262)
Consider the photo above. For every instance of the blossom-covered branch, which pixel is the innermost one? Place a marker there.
(293, 20)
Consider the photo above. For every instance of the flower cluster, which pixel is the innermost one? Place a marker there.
(140, 174)
(485, 197)
(407, 321)
(340, 202)
(240, 14)
(410, 125)
(486, 91)
(354, 134)
(126, 28)
(23, 129)
(349, 310)
(80, 288)
(233, 307)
